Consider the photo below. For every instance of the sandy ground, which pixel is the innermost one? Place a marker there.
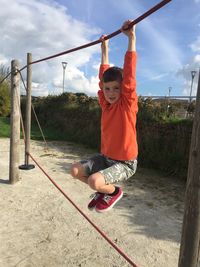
(40, 227)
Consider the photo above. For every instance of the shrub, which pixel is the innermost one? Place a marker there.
(4, 99)
(4, 91)
(163, 143)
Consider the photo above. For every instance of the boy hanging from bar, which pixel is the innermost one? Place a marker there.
(119, 150)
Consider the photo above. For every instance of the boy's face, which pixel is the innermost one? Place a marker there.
(112, 91)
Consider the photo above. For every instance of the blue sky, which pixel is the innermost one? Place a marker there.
(168, 42)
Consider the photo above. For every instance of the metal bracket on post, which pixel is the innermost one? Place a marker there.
(28, 166)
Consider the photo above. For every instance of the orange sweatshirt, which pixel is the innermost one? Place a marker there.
(118, 120)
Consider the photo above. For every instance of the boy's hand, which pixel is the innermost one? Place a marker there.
(104, 43)
(104, 50)
(130, 32)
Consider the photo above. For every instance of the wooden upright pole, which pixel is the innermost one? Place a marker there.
(28, 166)
(14, 174)
(190, 241)
(28, 108)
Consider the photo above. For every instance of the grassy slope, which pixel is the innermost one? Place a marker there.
(4, 127)
(50, 134)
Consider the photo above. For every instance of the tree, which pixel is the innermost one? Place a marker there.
(4, 92)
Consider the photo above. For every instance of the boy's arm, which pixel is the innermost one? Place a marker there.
(130, 33)
(129, 77)
(104, 59)
(104, 51)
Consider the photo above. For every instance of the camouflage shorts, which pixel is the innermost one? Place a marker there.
(112, 170)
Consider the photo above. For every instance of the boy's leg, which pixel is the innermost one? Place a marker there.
(83, 169)
(97, 182)
(103, 182)
(111, 194)
(78, 171)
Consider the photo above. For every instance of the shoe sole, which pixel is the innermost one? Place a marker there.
(91, 208)
(111, 206)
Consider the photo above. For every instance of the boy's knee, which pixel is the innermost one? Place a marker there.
(95, 181)
(92, 182)
(74, 170)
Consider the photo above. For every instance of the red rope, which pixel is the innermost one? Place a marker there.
(140, 18)
(86, 217)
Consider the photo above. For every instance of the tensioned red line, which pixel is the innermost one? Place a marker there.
(140, 18)
(85, 216)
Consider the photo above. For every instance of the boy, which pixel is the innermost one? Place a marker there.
(118, 101)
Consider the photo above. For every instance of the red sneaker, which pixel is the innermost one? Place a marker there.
(95, 198)
(107, 202)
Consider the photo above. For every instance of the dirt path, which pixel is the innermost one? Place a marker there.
(39, 227)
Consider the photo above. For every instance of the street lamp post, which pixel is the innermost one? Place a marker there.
(170, 89)
(193, 72)
(64, 64)
(168, 102)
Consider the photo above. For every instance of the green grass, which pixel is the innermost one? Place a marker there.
(49, 133)
(4, 127)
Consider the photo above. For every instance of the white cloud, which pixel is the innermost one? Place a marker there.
(76, 81)
(45, 28)
(196, 45)
(159, 77)
(192, 65)
(3, 60)
(185, 72)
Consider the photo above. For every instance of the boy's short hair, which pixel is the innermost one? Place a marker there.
(113, 74)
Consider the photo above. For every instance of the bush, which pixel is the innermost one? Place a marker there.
(4, 92)
(4, 99)
(163, 143)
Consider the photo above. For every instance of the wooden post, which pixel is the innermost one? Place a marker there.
(14, 174)
(28, 166)
(28, 108)
(190, 241)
